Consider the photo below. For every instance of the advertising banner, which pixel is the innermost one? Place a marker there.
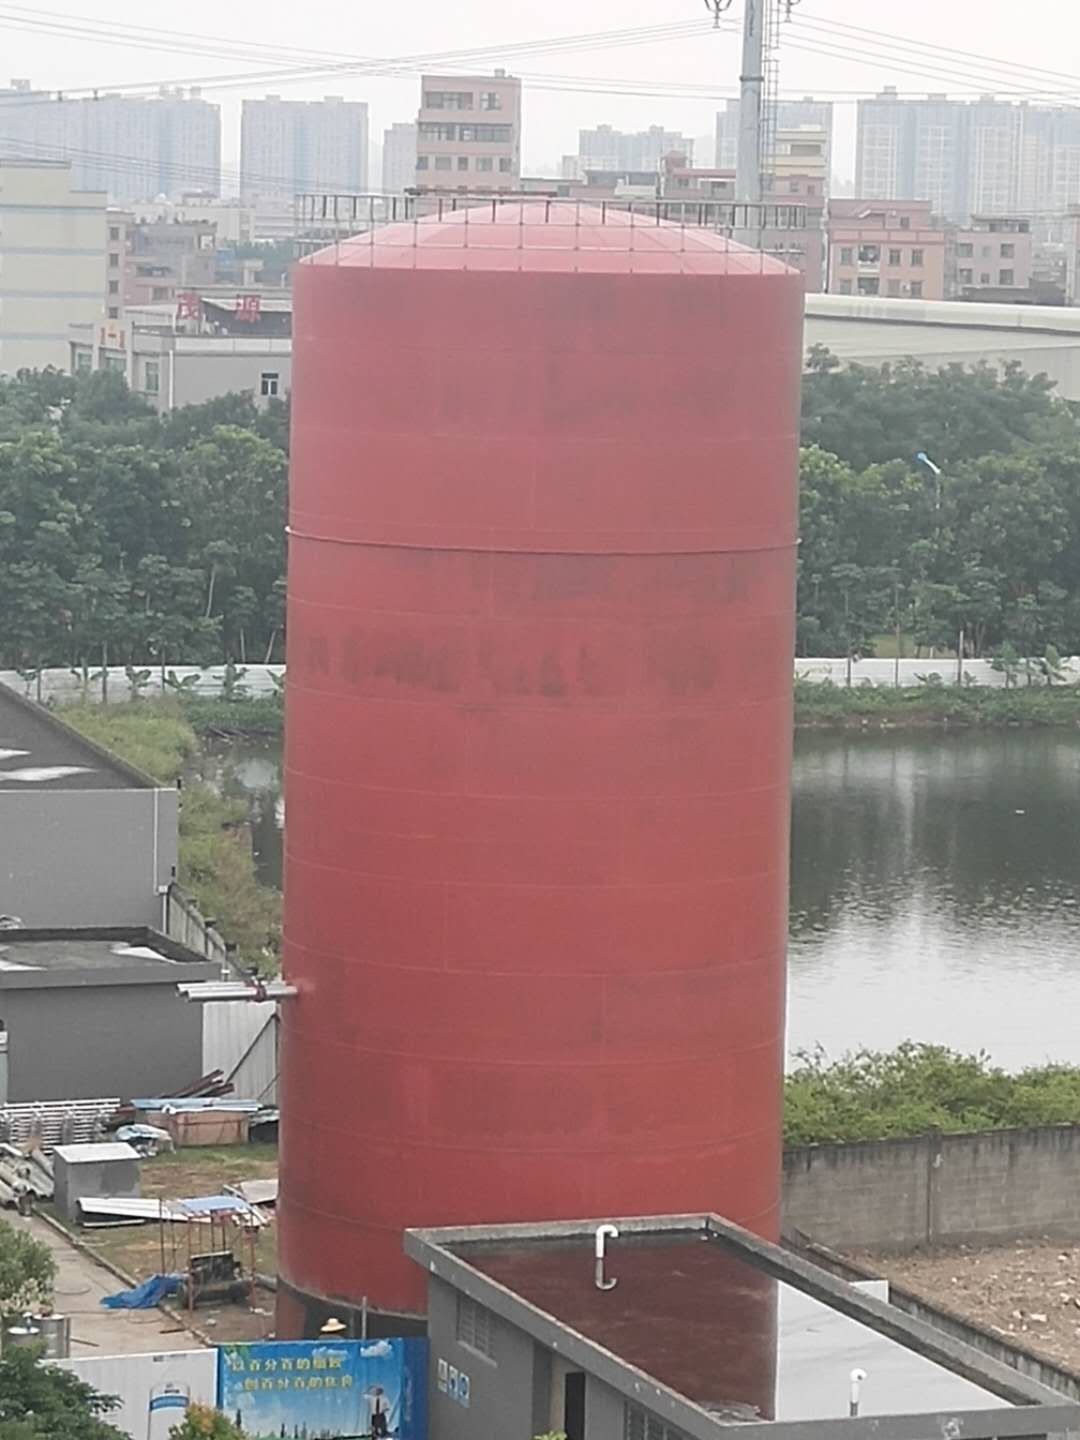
(314, 1389)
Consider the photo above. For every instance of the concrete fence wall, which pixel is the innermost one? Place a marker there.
(65, 686)
(936, 1189)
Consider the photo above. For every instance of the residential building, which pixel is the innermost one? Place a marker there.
(605, 148)
(690, 1328)
(132, 147)
(233, 221)
(293, 147)
(991, 259)
(85, 839)
(893, 248)
(52, 262)
(800, 153)
(984, 157)
(803, 248)
(208, 344)
(399, 158)
(166, 257)
(468, 132)
(790, 115)
(91, 1012)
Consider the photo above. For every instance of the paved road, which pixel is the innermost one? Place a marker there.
(80, 1285)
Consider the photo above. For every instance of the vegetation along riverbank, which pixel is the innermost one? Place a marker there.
(821, 705)
(216, 863)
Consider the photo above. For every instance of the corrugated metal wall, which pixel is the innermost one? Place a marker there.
(241, 1038)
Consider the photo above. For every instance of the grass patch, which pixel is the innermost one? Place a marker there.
(263, 716)
(216, 864)
(823, 704)
(136, 1249)
(914, 1089)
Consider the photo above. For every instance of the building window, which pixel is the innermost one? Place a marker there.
(268, 384)
(638, 1424)
(462, 162)
(443, 162)
(793, 187)
(115, 363)
(83, 361)
(114, 233)
(844, 288)
(151, 376)
(869, 254)
(486, 134)
(434, 130)
(1008, 251)
(894, 287)
(485, 162)
(917, 257)
(984, 278)
(894, 257)
(160, 293)
(966, 277)
(916, 289)
(847, 255)
(448, 100)
(1006, 277)
(421, 162)
(490, 100)
(114, 287)
(965, 251)
(114, 260)
(114, 313)
(505, 164)
(475, 1326)
(905, 222)
(869, 285)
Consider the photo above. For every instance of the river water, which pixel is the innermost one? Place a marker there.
(934, 888)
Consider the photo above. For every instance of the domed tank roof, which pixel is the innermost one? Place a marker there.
(561, 236)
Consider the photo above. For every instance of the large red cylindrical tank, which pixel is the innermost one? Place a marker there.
(540, 639)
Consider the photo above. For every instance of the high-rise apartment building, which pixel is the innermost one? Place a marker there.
(289, 147)
(52, 260)
(983, 157)
(399, 158)
(132, 147)
(790, 115)
(468, 132)
(618, 151)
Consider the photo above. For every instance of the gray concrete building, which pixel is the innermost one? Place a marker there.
(223, 343)
(689, 1326)
(399, 158)
(84, 838)
(806, 113)
(96, 1012)
(132, 147)
(291, 147)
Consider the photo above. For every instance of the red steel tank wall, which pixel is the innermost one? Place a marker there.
(538, 745)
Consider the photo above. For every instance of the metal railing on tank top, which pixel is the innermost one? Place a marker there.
(355, 229)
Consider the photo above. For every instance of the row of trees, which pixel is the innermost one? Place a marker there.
(128, 538)
(980, 551)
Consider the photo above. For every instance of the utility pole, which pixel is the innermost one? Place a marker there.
(751, 94)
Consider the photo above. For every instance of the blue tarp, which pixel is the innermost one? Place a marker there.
(145, 1296)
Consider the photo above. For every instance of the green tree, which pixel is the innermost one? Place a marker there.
(46, 1403)
(203, 1422)
(27, 1271)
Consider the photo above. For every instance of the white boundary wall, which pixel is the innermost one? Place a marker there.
(260, 681)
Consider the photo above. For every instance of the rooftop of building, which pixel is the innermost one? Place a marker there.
(39, 752)
(706, 1325)
(50, 958)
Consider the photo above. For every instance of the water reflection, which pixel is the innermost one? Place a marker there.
(934, 892)
(934, 887)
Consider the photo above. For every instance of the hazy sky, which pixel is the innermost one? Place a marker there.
(1040, 33)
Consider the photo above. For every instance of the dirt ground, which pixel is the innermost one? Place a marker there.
(138, 1249)
(1027, 1291)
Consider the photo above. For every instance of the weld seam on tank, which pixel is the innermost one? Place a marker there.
(449, 547)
